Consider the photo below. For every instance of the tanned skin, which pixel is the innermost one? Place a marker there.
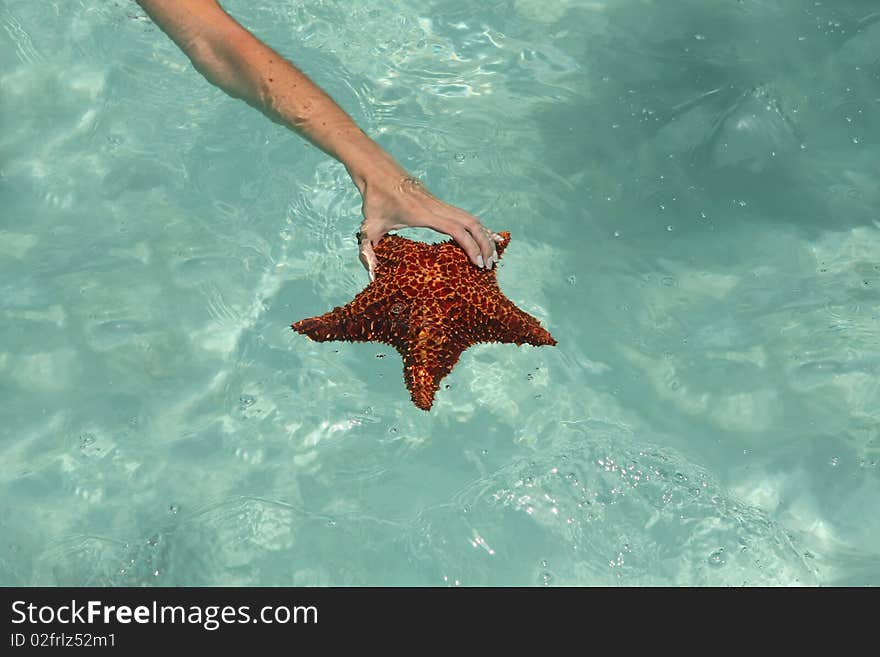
(235, 60)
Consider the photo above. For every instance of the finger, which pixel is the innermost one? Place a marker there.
(481, 235)
(466, 241)
(368, 258)
(496, 239)
(487, 242)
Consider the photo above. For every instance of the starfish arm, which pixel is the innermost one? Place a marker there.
(517, 326)
(426, 362)
(497, 319)
(338, 324)
(364, 322)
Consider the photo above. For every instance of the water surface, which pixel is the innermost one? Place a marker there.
(692, 193)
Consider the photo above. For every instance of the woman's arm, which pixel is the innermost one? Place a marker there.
(236, 61)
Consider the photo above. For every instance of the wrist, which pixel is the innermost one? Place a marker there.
(366, 161)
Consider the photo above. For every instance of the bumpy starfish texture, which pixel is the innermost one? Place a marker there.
(430, 303)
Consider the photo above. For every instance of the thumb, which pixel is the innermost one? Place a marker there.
(367, 256)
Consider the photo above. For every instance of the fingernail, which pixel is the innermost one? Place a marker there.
(480, 261)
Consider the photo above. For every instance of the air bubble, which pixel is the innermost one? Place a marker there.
(460, 157)
(716, 559)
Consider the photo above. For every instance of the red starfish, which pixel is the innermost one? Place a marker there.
(430, 303)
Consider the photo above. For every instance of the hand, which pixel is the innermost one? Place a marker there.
(394, 200)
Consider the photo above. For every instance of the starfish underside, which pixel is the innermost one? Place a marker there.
(430, 303)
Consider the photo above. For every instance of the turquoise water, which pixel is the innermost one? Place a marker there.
(692, 191)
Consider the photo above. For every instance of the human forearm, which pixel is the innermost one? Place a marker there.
(233, 59)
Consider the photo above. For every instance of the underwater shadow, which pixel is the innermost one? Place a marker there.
(768, 108)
